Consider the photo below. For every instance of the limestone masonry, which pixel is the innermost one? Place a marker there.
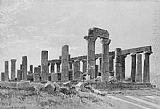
(66, 68)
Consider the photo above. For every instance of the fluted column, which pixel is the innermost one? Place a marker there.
(24, 68)
(139, 68)
(13, 69)
(76, 69)
(100, 64)
(44, 65)
(91, 55)
(2, 76)
(111, 65)
(65, 62)
(105, 59)
(52, 67)
(133, 67)
(31, 69)
(118, 63)
(6, 71)
(37, 72)
(58, 65)
(123, 60)
(84, 65)
(146, 71)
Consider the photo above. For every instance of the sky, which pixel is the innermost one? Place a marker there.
(29, 26)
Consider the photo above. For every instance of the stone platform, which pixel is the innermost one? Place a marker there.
(121, 86)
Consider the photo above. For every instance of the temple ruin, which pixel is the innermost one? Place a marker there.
(67, 68)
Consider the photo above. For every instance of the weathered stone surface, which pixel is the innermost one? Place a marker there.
(133, 67)
(54, 77)
(146, 70)
(70, 75)
(52, 67)
(2, 76)
(70, 65)
(118, 64)
(76, 69)
(6, 71)
(44, 65)
(19, 75)
(36, 75)
(13, 69)
(58, 64)
(31, 69)
(84, 65)
(91, 56)
(96, 71)
(111, 65)
(65, 62)
(100, 64)
(105, 59)
(139, 68)
(24, 67)
(123, 57)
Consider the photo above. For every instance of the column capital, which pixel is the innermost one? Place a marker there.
(90, 38)
(148, 53)
(105, 41)
(124, 56)
(133, 54)
(84, 60)
(13, 60)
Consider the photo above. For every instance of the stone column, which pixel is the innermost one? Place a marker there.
(84, 65)
(6, 71)
(133, 67)
(52, 67)
(19, 75)
(123, 57)
(70, 65)
(65, 62)
(31, 69)
(36, 76)
(146, 72)
(139, 68)
(111, 65)
(44, 65)
(70, 75)
(24, 67)
(13, 69)
(96, 71)
(91, 56)
(58, 64)
(118, 64)
(100, 64)
(76, 69)
(2, 76)
(20, 66)
(105, 59)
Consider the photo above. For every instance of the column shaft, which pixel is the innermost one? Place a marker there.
(105, 59)
(123, 57)
(139, 68)
(13, 69)
(52, 67)
(118, 64)
(146, 72)
(84, 65)
(76, 70)
(65, 62)
(44, 65)
(91, 56)
(24, 68)
(111, 66)
(133, 67)
(6, 71)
